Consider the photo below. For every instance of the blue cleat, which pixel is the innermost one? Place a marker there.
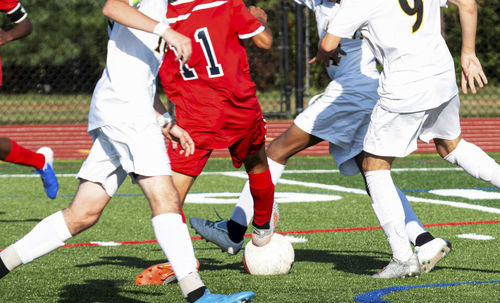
(241, 297)
(216, 232)
(50, 183)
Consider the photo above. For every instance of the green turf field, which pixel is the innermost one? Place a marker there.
(331, 266)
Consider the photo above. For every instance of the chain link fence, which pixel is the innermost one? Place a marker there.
(50, 75)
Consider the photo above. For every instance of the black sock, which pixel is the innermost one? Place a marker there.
(266, 225)
(236, 231)
(3, 269)
(195, 294)
(423, 238)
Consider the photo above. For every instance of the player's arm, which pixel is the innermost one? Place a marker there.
(21, 29)
(471, 67)
(264, 39)
(173, 132)
(121, 12)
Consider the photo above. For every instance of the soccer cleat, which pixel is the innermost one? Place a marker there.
(398, 269)
(50, 183)
(158, 274)
(241, 297)
(431, 253)
(261, 237)
(216, 232)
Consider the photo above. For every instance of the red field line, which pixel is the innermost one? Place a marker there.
(315, 231)
(73, 142)
(308, 232)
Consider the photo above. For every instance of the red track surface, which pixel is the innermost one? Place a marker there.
(72, 141)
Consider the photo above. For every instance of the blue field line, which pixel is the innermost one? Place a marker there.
(375, 296)
(428, 190)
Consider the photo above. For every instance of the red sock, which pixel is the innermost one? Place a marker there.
(23, 156)
(183, 217)
(262, 190)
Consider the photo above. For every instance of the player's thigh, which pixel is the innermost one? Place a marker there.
(251, 148)
(161, 193)
(338, 117)
(443, 125)
(191, 165)
(392, 134)
(102, 165)
(140, 148)
(292, 141)
(86, 207)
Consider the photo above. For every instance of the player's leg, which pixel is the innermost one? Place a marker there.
(262, 191)
(11, 151)
(163, 273)
(90, 199)
(429, 250)
(172, 233)
(54, 230)
(391, 135)
(443, 126)
(232, 231)
(174, 239)
(390, 213)
(289, 143)
(471, 158)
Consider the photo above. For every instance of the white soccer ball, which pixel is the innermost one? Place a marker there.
(275, 258)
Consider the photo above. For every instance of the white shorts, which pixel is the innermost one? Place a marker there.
(342, 120)
(119, 150)
(393, 134)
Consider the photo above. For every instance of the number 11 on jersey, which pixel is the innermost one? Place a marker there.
(214, 69)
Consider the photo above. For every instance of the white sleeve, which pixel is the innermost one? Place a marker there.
(351, 16)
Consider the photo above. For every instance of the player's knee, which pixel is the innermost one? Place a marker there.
(445, 147)
(78, 221)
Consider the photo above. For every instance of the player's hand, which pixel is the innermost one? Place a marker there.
(258, 13)
(332, 58)
(181, 43)
(472, 71)
(179, 137)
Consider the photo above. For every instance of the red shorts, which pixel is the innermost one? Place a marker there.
(192, 165)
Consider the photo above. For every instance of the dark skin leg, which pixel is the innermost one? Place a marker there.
(5, 146)
(289, 143)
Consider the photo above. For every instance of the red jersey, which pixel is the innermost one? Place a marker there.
(8, 5)
(213, 93)
(16, 12)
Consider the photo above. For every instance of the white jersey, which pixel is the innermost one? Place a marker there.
(405, 36)
(127, 86)
(358, 61)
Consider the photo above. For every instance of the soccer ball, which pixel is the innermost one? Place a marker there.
(275, 258)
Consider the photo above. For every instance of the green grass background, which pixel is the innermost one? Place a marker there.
(329, 267)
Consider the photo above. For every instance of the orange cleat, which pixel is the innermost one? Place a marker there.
(158, 274)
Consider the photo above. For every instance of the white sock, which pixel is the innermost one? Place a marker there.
(189, 283)
(413, 225)
(389, 211)
(10, 258)
(243, 211)
(46, 236)
(475, 162)
(173, 236)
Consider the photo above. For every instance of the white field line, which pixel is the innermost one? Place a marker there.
(291, 171)
(363, 192)
(330, 187)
